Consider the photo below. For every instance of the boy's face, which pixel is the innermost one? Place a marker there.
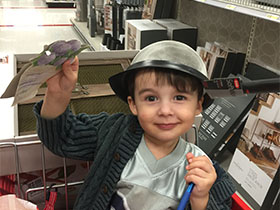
(163, 112)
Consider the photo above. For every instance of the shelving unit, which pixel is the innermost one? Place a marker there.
(248, 7)
(258, 16)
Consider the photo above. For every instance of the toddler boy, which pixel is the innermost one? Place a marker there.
(139, 160)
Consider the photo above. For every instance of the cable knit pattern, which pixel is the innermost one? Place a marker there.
(110, 141)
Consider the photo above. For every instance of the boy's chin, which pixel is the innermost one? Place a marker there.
(163, 138)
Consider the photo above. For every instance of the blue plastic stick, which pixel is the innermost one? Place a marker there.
(186, 197)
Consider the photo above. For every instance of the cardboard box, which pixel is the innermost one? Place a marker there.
(179, 31)
(140, 33)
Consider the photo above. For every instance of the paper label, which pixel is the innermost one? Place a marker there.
(272, 17)
(230, 6)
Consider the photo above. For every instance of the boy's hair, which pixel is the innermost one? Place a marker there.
(181, 81)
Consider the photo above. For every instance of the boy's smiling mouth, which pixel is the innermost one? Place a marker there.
(166, 126)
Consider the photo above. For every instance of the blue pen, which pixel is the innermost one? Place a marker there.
(186, 197)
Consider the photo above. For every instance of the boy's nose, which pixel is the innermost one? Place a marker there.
(165, 109)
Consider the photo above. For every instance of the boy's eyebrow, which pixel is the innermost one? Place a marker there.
(145, 90)
(186, 92)
(151, 90)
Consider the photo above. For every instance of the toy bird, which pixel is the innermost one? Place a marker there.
(32, 75)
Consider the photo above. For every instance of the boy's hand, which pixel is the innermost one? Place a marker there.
(59, 89)
(65, 80)
(202, 173)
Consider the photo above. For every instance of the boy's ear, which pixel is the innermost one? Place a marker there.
(132, 105)
(199, 106)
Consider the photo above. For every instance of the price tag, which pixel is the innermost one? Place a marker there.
(272, 17)
(230, 6)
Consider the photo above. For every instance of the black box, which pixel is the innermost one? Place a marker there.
(179, 31)
(142, 32)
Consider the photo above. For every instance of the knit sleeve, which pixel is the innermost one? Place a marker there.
(221, 191)
(68, 135)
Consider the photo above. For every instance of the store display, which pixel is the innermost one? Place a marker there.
(115, 16)
(220, 120)
(257, 157)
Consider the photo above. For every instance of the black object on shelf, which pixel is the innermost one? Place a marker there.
(108, 43)
(120, 18)
(60, 4)
(92, 26)
(92, 18)
(114, 43)
(105, 38)
(114, 21)
(119, 46)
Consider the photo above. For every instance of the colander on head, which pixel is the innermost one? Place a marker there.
(167, 54)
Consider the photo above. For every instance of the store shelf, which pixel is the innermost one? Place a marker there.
(255, 12)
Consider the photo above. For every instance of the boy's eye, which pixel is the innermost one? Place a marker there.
(180, 98)
(151, 98)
